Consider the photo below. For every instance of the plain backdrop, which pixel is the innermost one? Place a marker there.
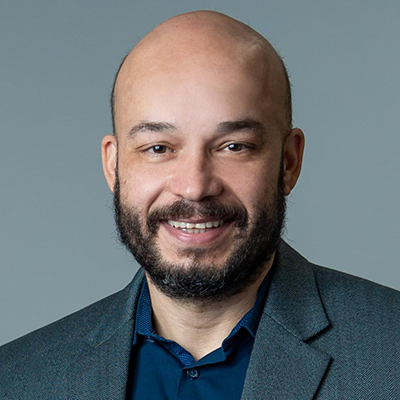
(58, 244)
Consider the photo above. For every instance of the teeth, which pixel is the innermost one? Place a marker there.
(195, 228)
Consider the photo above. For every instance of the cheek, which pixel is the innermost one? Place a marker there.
(255, 183)
(141, 187)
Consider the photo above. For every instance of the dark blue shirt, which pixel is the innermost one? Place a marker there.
(162, 369)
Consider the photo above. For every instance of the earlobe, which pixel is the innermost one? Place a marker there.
(293, 159)
(109, 159)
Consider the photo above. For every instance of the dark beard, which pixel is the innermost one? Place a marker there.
(256, 242)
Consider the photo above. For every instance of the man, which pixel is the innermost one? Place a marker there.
(201, 159)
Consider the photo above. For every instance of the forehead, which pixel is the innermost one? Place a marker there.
(199, 80)
(195, 94)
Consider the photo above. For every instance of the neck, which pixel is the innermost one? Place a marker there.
(201, 327)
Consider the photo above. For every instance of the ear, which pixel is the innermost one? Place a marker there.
(109, 159)
(293, 159)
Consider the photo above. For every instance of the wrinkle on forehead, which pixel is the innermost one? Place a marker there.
(202, 39)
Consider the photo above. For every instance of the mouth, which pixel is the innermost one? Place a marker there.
(195, 227)
(195, 232)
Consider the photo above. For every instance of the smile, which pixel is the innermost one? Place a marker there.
(200, 227)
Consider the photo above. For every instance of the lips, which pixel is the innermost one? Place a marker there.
(195, 227)
(194, 232)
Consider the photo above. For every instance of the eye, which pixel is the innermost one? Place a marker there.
(158, 149)
(234, 147)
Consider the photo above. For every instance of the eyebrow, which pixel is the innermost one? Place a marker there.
(241, 125)
(222, 128)
(152, 127)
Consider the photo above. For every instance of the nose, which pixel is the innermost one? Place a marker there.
(195, 178)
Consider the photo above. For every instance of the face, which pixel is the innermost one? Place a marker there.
(201, 177)
(197, 280)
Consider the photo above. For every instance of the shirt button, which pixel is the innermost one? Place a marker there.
(193, 373)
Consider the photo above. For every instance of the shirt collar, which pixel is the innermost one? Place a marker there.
(250, 321)
(252, 318)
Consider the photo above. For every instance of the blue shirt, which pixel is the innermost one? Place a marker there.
(162, 369)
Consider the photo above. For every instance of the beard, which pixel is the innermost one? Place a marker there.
(195, 280)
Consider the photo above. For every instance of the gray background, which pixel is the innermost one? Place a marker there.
(58, 58)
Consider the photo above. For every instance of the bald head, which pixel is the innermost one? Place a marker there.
(198, 43)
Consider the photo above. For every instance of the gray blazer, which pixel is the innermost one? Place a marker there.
(323, 335)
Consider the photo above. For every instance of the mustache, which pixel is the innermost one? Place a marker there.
(209, 209)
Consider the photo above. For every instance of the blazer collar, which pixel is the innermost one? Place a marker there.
(105, 358)
(119, 310)
(283, 364)
(293, 300)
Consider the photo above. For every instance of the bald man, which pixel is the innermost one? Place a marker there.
(201, 159)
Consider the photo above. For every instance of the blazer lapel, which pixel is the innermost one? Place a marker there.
(283, 364)
(100, 372)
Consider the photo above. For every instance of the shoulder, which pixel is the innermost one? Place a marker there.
(341, 293)
(349, 295)
(69, 328)
(353, 313)
(364, 331)
(55, 346)
(35, 348)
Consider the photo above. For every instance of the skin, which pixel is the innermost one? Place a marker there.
(194, 72)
